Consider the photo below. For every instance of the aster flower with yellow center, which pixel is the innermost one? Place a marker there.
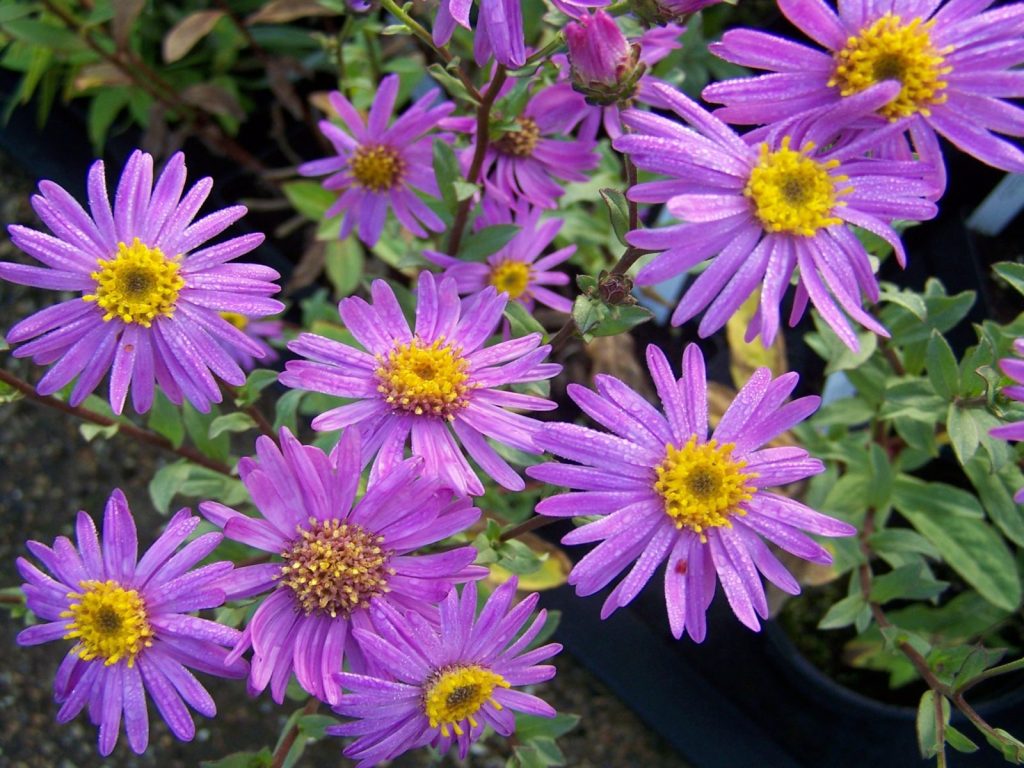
(955, 62)
(771, 204)
(151, 303)
(443, 684)
(518, 268)
(380, 166)
(129, 623)
(435, 385)
(665, 491)
(339, 557)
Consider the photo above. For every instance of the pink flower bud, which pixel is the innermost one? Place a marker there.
(603, 64)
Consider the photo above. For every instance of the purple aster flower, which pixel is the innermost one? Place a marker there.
(517, 269)
(954, 62)
(523, 164)
(665, 492)
(130, 623)
(767, 207)
(378, 166)
(1014, 368)
(436, 385)
(443, 685)
(341, 556)
(150, 301)
(499, 29)
(259, 332)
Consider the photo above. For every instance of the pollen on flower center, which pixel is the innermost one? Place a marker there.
(422, 378)
(137, 284)
(377, 167)
(702, 485)
(520, 143)
(108, 621)
(791, 192)
(334, 567)
(892, 50)
(239, 321)
(455, 694)
(512, 277)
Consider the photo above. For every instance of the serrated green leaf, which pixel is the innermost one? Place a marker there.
(231, 422)
(943, 371)
(482, 243)
(967, 543)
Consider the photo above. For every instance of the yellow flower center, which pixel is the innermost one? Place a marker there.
(702, 485)
(108, 621)
(892, 50)
(455, 694)
(239, 321)
(512, 277)
(520, 143)
(377, 167)
(335, 567)
(793, 193)
(424, 379)
(136, 285)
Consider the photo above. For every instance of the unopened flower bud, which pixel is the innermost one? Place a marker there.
(657, 12)
(604, 67)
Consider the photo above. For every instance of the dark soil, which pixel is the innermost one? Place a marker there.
(48, 471)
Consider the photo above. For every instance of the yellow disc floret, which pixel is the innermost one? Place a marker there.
(424, 379)
(511, 277)
(376, 167)
(335, 567)
(455, 694)
(137, 284)
(239, 321)
(892, 50)
(702, 485)
(793, 193)
(520, 143)
(108, 621)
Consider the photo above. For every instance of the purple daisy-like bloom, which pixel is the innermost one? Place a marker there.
(259, 332)
(435, 386)
(443, 685)
(341, 556)
(150, 301)
(380, 166)
(666, 492)
(524, 164)
(129, 619)
(578, 9)
(764, 208)
(499, 29)
(1014, 368)
(954, 62)
(517, 269)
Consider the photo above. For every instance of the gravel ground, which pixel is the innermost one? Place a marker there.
(48, 471)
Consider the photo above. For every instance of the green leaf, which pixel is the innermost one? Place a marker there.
(942, 367)
(963, 431)
(257, 380)
(446, 169)
(927, 726)
(1011, 747)
(843, 613)
(618, 212)
(588, 312)
(262, 759)
(996, 492)
(286, 409)
(959, 741)
(521, 322)
(450, 83)
(91, 431)
(968, 544)
(344, 265)
(902, 541)
(517, 557)
(309, 198)
(165, 419)
(1011, 273)
(198, 427)
(481, 244)
(166, 483)
(8, 393)
(529, 727)
(103, 110)
(620, 319)
(910, 582)
(880, 489)
(231, 422)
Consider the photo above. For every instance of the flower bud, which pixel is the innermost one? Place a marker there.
(657, 12)
(604, 67)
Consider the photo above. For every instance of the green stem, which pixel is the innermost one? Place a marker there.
(281, 753)
(535, 522)
(1002, 669)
